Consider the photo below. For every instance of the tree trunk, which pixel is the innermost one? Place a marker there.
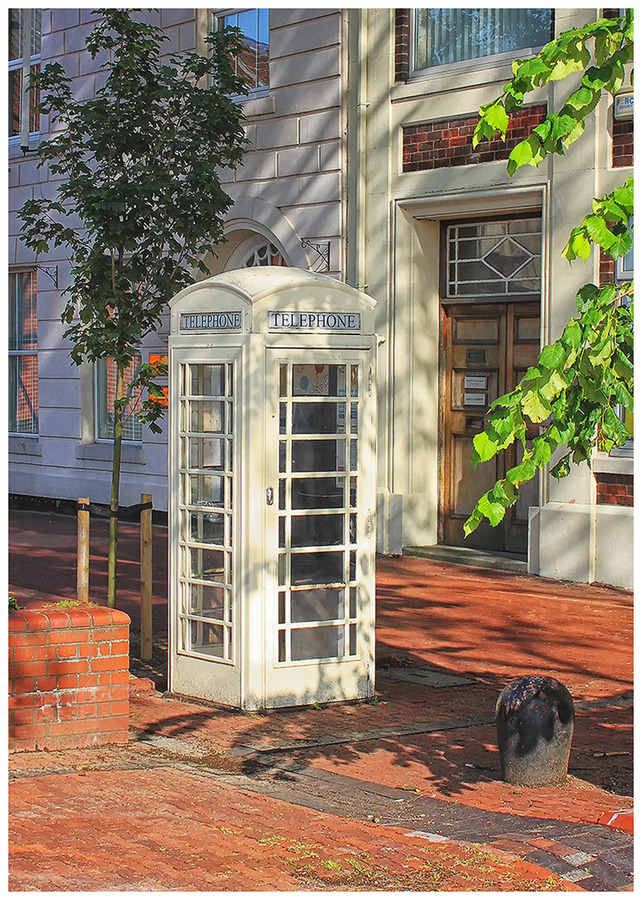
(115, 486)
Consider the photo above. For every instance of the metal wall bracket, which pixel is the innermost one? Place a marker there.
(322, 250)
(51, 272)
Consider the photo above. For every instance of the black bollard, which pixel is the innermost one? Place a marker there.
(535, 722)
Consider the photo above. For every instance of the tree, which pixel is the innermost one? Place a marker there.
(139, 201)
(574, 390)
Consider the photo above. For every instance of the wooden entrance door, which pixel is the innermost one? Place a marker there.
(486, 349)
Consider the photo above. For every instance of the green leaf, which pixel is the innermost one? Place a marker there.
(572, 334)
(536, 407)
(562, 468)
(614, 428)
(541, 452)
(578, 245)
(598, 231)
(493, 510)
(485, 447)
(582, 98)
(472, 522)
(623, 395)
(553, 356)
(528, 152)
(497, 117)
(623, 196)
(522, 472)
(554, 386)
(565, 67)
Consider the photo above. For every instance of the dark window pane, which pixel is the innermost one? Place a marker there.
(316, 568)
(207, 601)
(318, 418)
(317, 606)
(325, 642)
(317, 493)
(317, 531)
(207, 565)
(207, 639)
(444, 36)
(316, 456)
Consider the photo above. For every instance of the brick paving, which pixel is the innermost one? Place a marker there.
(167, 829)
(416, 771)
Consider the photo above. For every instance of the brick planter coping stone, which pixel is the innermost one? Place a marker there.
(68, 677)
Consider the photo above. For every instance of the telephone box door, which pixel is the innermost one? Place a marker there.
(204, 577)
(320, 497)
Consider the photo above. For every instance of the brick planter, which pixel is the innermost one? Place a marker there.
(68, 677)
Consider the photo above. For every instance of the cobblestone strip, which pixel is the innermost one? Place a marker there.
(593, 858)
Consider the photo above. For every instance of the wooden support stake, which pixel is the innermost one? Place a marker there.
(82, 554)
(146, 576)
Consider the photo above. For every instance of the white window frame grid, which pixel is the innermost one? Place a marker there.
(464, 65)
(16, 65)
(228, 622)
(103, 440)
(217, 17)
(346, 624)
(21, 354)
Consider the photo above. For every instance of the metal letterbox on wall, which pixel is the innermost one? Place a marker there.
(272, 489)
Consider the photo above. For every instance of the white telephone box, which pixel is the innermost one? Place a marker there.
(272, 490)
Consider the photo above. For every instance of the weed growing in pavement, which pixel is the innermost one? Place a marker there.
(13, 603)
(305, 851)
(271, 839)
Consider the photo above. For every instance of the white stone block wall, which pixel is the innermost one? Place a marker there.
(291, 180)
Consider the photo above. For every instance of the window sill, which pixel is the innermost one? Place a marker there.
(25, 445)
(15, 150)
(620, 464)
(103, 451)
(258, 106)
(455, 77)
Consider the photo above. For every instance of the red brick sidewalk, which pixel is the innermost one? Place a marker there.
(487, 626)
(168, 830)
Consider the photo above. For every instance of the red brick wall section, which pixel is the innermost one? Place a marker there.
(622, 143)
(68, 677)
(607, 268)
(402, 45)
(448, 142)
(614, 490)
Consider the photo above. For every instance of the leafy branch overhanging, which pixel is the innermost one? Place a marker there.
(584, 379)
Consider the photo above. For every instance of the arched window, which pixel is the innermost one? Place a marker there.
(264, 254)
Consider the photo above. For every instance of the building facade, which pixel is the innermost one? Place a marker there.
(360, 164)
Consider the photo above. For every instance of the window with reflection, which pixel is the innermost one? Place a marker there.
(16, 89)
(253, 63)
(23, 353)
(105, 395)
(447, 36)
